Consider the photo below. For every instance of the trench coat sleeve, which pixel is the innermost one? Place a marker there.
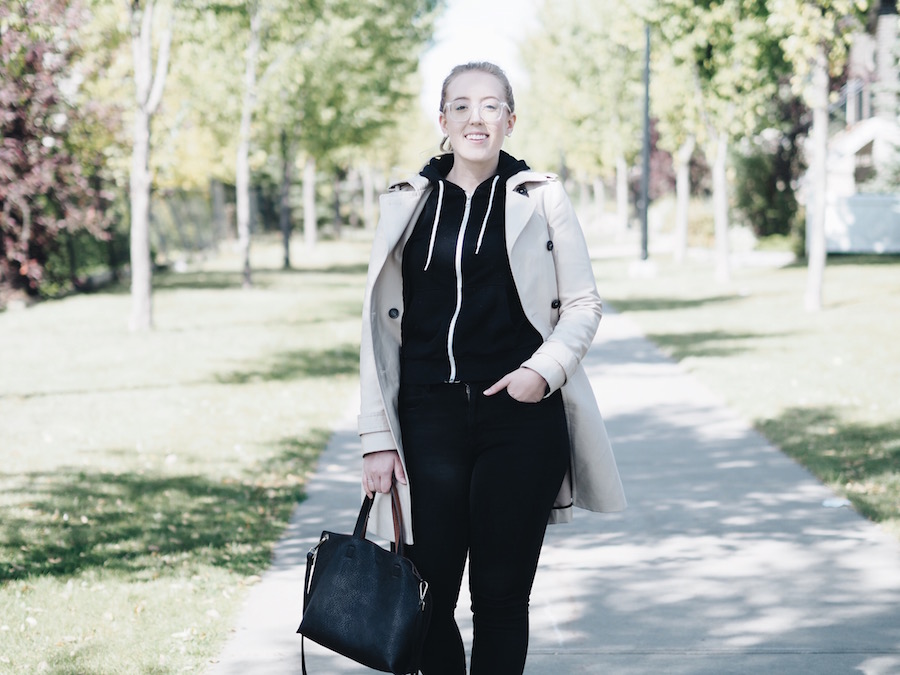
(580, 307)
(374, 427)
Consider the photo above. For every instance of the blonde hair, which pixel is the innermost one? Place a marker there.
(482, 67)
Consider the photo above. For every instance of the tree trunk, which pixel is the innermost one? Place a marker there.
(599, 192)
(682, 197)
(886, 62)
(368, 182)
(720, 205)
(141, 272)
(148, 93)
(309, 202)
(242, 168)
(815, 231)
(621, 192)
(337, 220)
(584, 202)
(71, 257)
(220, 221)
(284, 212)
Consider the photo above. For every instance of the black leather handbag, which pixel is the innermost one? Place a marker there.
(364, 601)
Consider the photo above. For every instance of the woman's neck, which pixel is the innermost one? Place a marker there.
(469, 176)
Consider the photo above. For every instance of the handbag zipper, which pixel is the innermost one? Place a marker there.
(423, 590)
(314, 553)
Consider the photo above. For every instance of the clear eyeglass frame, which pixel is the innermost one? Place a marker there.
(489, 110)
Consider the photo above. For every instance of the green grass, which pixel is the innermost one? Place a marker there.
(145, 478)
(824, 387)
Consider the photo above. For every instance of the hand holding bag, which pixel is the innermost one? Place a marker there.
(365, 602)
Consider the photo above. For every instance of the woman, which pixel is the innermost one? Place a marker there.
(480, 305)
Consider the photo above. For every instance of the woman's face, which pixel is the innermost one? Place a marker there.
(476, 140)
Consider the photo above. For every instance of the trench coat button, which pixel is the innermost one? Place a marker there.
(549, 245)
(393, 312)
(555, 304)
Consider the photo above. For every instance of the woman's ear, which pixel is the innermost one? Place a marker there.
(510, 124)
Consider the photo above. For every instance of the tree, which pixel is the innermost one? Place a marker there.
(736, 62)
(242, 165)
(585, 90)
(44, 189)
(676, 108)
(252, 24)
(815, 38)
(340, 83)
(149, 83)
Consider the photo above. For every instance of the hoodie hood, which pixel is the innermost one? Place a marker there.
(437, 169)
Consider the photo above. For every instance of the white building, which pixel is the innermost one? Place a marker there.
(867, 147)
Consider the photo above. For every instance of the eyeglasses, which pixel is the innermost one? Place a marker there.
(489, 110)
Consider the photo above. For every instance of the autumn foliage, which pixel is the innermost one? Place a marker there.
(44, 188)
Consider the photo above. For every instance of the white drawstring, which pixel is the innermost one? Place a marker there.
(437, 215)
(486, 214)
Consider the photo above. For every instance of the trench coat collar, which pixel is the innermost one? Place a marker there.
(411, 193)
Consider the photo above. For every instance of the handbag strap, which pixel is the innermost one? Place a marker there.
(362, 521)
(397, 513)
(303, 637)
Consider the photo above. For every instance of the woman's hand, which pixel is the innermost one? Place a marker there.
(524, 385)
(379, 471)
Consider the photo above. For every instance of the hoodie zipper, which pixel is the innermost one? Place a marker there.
(458, 264)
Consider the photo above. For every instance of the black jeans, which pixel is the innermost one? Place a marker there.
(484, 472)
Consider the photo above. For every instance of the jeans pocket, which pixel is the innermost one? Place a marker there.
(509, 397)
(413, 396)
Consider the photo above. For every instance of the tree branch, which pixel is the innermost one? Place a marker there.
(162, 66)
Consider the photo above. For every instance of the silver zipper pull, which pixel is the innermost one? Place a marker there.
(423, 589)
(314, 552)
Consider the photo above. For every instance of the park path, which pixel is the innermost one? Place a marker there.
(727, 560)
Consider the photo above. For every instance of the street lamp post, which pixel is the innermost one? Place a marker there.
(645, 154)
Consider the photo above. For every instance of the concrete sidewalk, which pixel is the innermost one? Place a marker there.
(727, 560)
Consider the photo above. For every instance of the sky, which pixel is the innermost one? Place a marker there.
(476, 30)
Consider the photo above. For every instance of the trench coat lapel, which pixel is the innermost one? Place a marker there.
(399, 207)
(519, 208)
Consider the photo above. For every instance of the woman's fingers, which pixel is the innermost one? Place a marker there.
(399, 474)
(379, 469)
(499, 385)
(523, 384)
(368, 485)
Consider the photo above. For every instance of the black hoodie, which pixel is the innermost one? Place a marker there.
(463, 320)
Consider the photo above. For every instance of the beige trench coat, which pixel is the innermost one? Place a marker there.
(550, 262)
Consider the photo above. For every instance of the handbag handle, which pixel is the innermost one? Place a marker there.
(363, 519)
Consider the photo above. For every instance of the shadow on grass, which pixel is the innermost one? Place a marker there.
(863, 460)
(665, 304)
(219, 280)
(704, 343)
(835, 259)
(262, 278)
(291, 365)
(83, 662)
(62, 523)
(355, 268)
